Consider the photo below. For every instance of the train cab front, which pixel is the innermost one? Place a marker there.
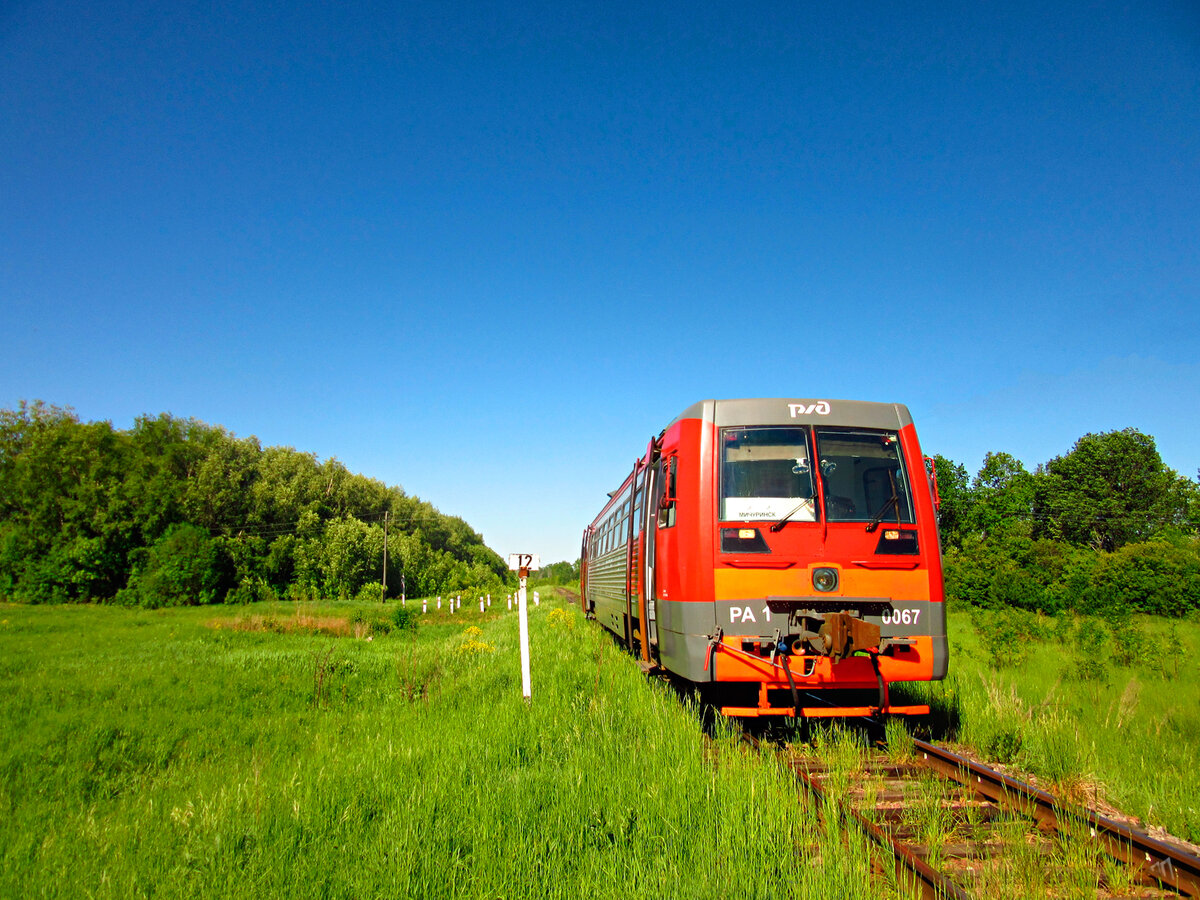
(827, 570)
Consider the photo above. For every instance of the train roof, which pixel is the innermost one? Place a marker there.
(798, 411)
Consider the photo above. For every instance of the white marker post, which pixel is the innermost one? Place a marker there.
(523, 564)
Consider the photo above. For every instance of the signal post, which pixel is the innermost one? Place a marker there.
(523, 564)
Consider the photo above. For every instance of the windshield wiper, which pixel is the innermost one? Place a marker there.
(883, 511)
(887, 505)
(778, 526)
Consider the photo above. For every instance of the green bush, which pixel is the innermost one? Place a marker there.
(1091, 651)
(1158, 577)
(404, 619)
(1003, 744)
(1063, 628)
(371, 592)
(252, 590)
(1129, 643)
(1006, 571)
(180, 570)
(1007, 635)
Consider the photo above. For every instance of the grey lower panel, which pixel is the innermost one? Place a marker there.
(761, 616)
(685, 655)
(686, 618)
(611, 615)
(684, 630)
(941, 648)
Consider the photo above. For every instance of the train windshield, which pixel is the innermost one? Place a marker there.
(765, 474)
(863, 477)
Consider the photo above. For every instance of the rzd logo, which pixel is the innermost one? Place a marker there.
(821, 408)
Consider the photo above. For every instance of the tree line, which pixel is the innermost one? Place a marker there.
(175, 511)
(1105, 529)
(557, 573)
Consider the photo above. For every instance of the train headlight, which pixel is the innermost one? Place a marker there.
(825, 580)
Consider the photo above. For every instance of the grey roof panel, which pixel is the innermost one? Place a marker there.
(799, 411)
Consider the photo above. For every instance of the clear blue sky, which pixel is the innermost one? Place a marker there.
(485, 250)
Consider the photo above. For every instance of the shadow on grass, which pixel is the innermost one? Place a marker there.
(945, 714)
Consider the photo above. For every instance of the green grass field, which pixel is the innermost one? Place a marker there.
(175, 753)
(276, 750)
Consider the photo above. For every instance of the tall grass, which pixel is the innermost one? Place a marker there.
(195, 752)
(1100, 711)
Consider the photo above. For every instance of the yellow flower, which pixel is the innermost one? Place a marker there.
(472, 646)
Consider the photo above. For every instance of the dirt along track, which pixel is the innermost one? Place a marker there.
(958, 829)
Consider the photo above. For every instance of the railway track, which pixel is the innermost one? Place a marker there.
(957, 829)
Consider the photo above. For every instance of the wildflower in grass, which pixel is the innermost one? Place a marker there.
(472, 645)
(560, 618)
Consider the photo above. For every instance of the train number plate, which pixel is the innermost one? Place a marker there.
(901, 617)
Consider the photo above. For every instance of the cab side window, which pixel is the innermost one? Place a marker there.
(667, 501)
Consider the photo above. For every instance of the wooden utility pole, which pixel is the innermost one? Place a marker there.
(385, 524)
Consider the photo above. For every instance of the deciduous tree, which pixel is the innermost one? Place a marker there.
(1110, 490)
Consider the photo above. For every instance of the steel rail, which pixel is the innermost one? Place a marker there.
(934, 885)
(1160, 861)
(1150, 859)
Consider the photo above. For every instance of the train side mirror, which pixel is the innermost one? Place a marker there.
(931, 470)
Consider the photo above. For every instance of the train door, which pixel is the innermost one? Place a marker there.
(648, 527)
(587, 605)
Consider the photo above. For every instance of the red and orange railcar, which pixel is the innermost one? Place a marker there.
(781, 554)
